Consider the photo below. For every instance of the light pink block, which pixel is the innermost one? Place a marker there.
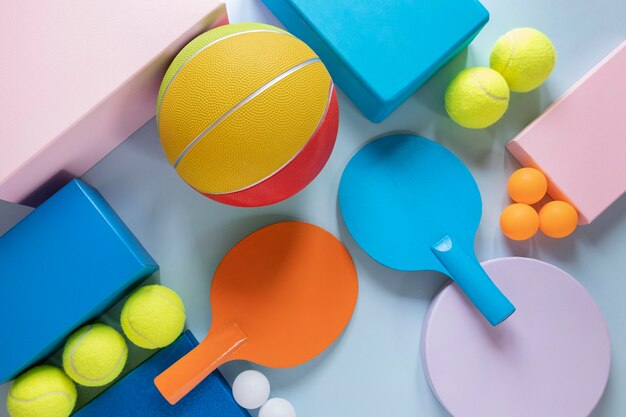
(78, 77)
(579, 142)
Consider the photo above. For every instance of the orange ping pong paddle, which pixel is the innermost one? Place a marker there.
(279, 298)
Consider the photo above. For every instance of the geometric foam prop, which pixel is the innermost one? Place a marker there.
(49, 136)
(379, 52)
(551, 358)
(579, 142)
(65, 263)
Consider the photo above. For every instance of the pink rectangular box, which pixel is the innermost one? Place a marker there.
(579, 142)
(79, 78)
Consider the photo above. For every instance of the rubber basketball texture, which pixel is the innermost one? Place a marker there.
(238, 106)
(298, 173)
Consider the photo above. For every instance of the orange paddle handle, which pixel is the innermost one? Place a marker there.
(184, 375)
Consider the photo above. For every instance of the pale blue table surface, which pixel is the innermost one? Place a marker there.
(374, 370)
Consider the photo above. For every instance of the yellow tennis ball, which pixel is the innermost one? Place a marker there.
(94, 355)
(525, 57)
(153, 317)
(43, 391)
(477, 97)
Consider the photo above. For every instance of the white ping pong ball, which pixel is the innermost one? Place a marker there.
(251, 389)
(277, 407)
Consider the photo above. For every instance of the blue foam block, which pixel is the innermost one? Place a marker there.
(379, 52)
(65, 263)
(135, 395)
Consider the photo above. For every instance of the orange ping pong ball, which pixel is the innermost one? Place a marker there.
(519, 221)
(527, 185)
(558, 219)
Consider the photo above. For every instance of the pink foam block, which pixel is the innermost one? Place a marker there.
(79, 78)
(580, 141)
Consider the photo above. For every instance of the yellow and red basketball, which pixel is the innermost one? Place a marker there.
(247, 114)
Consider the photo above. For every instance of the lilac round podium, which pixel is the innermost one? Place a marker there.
(550, 358)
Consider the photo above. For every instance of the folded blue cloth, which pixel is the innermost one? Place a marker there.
(135, 395)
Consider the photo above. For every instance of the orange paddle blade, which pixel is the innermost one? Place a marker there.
(279, 298)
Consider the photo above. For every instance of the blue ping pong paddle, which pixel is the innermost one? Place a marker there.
(412, 205)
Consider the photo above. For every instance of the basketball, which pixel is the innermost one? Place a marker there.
(247, 114)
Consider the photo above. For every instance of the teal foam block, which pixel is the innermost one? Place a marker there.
(379, 52)
(64, 264)
(135, 395)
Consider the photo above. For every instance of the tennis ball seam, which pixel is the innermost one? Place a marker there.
(239, 105)
(161, 294)
(511, 54)
(144, 337)
(39, 397)
(102, 378)
(232, 35)
(484, 90)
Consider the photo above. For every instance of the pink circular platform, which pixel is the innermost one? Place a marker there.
(551, 358)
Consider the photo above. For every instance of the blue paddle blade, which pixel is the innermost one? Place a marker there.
(412, 205)
(401, 194)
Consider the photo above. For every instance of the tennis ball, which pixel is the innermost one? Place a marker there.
(94, 355)
(43, 391)
(525, 57)
(477, 97)
(153, 317)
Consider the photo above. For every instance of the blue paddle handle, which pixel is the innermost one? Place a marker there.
(473, 280)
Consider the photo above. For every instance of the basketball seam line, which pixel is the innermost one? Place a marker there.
(242, 103)
(319, 124)
(232, 35)
(104, 377)
(483, 88)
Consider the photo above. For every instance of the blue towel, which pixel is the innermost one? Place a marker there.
(135, 395)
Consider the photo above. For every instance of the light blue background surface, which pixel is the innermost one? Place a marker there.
(374, 370)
